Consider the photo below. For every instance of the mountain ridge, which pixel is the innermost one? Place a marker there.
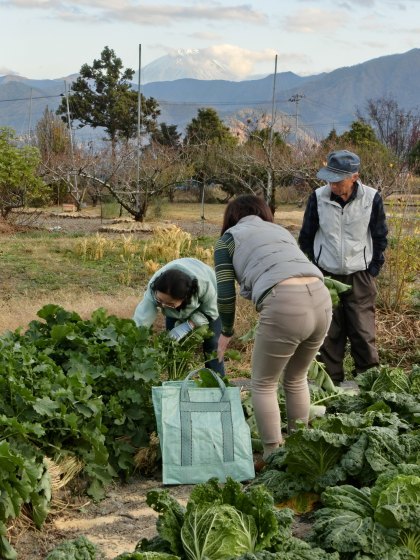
(327, 100)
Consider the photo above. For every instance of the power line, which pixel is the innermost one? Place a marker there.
(163, 102)
(30, 98)
(206, 102)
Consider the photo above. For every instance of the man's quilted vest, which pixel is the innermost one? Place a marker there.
(343, 243)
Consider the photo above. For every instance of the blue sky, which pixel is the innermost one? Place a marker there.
(43, 39)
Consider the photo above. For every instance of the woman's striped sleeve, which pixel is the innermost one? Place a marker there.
(225, 275)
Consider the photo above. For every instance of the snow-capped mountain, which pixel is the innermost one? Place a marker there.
(186, 63)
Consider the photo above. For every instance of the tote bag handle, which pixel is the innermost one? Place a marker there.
(186, 407)
(184, 395)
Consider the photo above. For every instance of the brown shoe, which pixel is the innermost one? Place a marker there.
(259, 465)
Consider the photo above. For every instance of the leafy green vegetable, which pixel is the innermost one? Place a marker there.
(387, 396)
(206, 379)
(170, 521)
(382, 523)
(415, 380)
(77, 387)
(178, 358)
(411, 542)
(255, 501)
(399, 504)
(386, 478)
(383, 449)
(335, 288)
(315, 454)
(319, 376)
(391, 381)
(346, 522)
(24, 479)
(77, 549)
(396, 497)
(146, 556)
(217, 532)
(220, 521)
(383, 379)
(292, 549)
(283, 485)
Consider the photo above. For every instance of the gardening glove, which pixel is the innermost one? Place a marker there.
(180, 331)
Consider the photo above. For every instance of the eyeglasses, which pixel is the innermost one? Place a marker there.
(162, 303)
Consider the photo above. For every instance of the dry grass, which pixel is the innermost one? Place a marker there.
(190, 212)
(146, 459)
(127, 225)
(18, 311)
(397, 338)
(285, 215)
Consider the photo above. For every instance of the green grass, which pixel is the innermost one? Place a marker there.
(39, 267)
(40, 263)
(110, 210)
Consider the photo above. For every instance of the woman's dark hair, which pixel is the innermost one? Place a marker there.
(177, 284)
(245, 205)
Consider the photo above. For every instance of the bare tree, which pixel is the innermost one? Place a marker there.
(396, 128)
(64, 170)
(161, 167)
(61, 160)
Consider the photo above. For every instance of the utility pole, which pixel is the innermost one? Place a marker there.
(138, 136)
(76, 189)
(30, 119)
(295, 99)
(270, 180)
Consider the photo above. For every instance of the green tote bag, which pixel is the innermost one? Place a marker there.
(202, 432)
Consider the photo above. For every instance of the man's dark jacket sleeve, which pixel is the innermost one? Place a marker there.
(379, 232)
(310, 226)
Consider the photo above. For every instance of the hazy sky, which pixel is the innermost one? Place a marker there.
(53, 38)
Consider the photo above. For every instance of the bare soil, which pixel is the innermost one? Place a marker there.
(116, 524)
(89, 221)
(92, 223)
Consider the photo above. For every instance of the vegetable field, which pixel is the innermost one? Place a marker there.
(72, 390)
(78, 433)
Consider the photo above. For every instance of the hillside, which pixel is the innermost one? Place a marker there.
(328, 100)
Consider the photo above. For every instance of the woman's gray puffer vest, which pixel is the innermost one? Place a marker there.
(265, 254)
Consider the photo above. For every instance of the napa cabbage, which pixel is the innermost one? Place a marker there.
(381, 522)
(219, 521)
(217, 532)
(391, 380)
(396, 497)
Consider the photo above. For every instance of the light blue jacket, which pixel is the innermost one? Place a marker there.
(200, 306)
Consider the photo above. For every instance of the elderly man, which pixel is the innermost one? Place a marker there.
(344, 233)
